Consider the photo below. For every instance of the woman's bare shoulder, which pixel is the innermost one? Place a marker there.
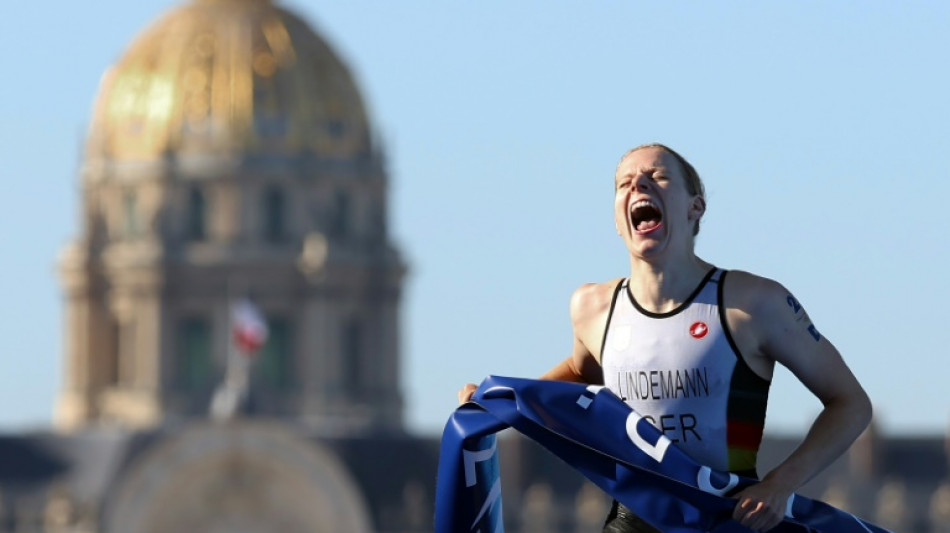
(591, 300)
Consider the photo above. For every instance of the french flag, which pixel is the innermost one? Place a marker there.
(248, 327)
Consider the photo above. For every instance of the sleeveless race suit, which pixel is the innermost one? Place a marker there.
(683, 372)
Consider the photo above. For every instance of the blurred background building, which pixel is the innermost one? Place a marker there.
(230, 159)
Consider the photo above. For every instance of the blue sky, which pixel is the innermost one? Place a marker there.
(820, 129)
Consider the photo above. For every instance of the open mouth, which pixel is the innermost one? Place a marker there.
(645, 216)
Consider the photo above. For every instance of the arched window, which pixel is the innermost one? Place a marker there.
(196, 229)
(193, 368)
(275, 229)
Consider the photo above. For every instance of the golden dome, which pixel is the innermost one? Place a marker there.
(225, 78)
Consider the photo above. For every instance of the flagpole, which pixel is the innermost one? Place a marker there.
(228, 394)
(247, 334)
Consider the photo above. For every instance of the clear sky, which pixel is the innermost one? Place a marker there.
(820, 129)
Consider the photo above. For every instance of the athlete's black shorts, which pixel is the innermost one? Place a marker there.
(622, 520)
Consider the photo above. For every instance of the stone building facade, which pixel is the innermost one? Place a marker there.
(229, 158)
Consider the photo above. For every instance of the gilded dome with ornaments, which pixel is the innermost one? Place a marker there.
(225, 78)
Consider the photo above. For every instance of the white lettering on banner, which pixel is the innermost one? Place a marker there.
(594, 389)
(704, 482)
(497, 527)
(584, 400)
(657, 451)
(469, 458)
(493, 495)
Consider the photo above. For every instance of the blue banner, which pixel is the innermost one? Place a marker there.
(599, 435)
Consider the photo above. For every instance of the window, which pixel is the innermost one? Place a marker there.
(127, 355)
(275, 365)
(132, 226)
(197, 216)
(352, 353)
(110, 373)
(339, 226)
(379, 225)
(336, 128)
(270, 122)
(274, 215)
(194, 369)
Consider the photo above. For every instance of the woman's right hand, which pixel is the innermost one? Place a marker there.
(465, 393)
